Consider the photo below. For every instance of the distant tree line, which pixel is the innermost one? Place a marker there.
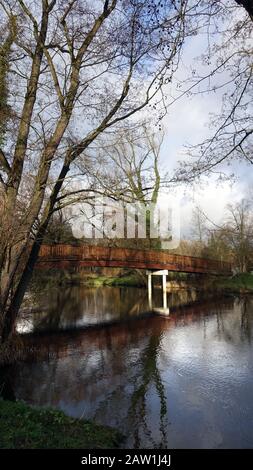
(231, 240)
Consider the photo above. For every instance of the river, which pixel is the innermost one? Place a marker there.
(185, 381)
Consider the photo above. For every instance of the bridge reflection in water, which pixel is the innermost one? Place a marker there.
(183, 381)
(156, 262)
(73, 307)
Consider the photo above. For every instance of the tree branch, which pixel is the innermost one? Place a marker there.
(4, 162)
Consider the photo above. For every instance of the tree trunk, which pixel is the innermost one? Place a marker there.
(9, 316)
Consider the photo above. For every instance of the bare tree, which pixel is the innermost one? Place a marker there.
(199, 226)
(123, 167)
(232, 239)
(76, 70)
(128, 165)
(238, 232)
(227, 74)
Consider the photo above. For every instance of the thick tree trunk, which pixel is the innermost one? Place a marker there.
(9, 316)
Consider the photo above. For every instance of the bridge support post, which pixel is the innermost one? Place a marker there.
(162, 310)
(164, 292)
(150, 290)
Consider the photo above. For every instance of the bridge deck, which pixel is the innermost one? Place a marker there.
(65, 256)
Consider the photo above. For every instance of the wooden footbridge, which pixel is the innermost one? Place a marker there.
(67, 256)
(155, 262)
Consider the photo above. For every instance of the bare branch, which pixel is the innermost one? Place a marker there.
(4, 162)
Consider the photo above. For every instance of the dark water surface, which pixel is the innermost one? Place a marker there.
(180, 382)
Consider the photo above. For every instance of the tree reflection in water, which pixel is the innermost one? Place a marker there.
(150, 374)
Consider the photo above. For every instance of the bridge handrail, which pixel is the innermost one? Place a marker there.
(130, 254)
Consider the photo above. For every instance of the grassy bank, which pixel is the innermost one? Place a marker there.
(241, 283)
(26, 427)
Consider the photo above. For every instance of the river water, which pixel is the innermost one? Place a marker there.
(180, 382)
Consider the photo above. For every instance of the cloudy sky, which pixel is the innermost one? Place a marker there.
(187, 123)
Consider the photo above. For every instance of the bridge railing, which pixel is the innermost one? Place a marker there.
(132, 256)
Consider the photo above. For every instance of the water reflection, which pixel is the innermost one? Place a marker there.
(182, 382)
(75, 306)
(150, 374)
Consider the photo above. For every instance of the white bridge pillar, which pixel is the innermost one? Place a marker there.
(164, 292)
(150, 290)
(164, 310)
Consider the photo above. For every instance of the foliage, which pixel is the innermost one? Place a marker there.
(241, 283)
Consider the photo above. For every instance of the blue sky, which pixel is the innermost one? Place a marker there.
(187, 122)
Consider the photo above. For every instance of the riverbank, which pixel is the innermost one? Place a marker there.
(238, 284)
(26, 427)
(115, 277)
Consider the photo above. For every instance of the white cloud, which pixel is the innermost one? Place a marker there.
(187, 123)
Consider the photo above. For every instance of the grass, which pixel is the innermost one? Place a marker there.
(241, 283)
(26, 427)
